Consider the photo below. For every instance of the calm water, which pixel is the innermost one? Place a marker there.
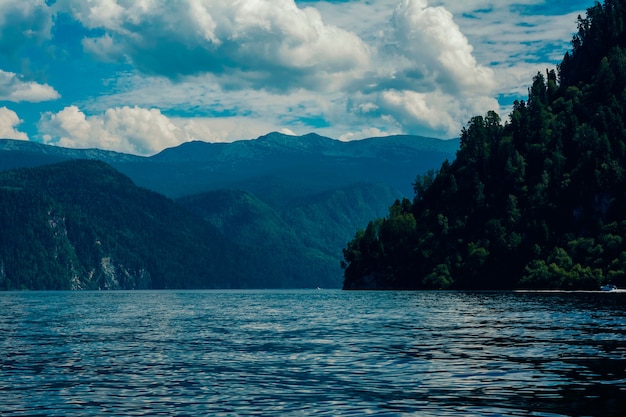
(312, 353)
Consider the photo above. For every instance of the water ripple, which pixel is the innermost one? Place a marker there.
(231, 353)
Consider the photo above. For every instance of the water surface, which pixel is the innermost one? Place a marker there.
(312, 353)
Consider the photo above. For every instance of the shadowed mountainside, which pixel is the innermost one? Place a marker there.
(289, 202)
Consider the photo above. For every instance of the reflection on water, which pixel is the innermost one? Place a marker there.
(312, 352)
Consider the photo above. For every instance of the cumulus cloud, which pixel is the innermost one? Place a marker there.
(12, 88)
(423, 78)
(228, 129)
(370, 132)
(126, 129)
(225, 70)
(451, 57)
(517, 39)
(23, 22)
(263, 43)
(430, 82)
(205, 111)
(8, 122)
(436, 50)
(433, 111)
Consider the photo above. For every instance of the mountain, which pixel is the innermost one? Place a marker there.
(309, 163)
(538, 202)
(292, 201)
(300, 164)
(82, 225)
(249, 222)
(21, 154)
(305, 237)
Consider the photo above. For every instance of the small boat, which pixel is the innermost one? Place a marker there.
(608, 287)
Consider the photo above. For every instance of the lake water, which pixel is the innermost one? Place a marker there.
(228, 353)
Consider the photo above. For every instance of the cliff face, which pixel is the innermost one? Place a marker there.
(113, 275)
(42, 254)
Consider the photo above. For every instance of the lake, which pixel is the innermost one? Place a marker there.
(325, 352)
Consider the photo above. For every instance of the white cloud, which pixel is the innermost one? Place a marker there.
(103, 13)
(131, 130)
(515, 41)
(12, 88)
(429, 81)
(418, 108)
(207, 112)
(22, 22)
(223, 70)
(269, 44)
(436, 49)
(227, 129)
(211, 130)
(456, 55)
(8, 122)
(415, 40)
(370, 132)
(434, 111)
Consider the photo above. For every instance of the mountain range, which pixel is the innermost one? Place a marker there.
(286, 205)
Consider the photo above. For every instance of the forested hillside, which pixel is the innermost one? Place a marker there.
(536, 202)
(302, 237)
(248, 222)
(286, 204)
(83, 225)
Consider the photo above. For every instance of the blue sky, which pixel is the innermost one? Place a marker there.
(138, 76)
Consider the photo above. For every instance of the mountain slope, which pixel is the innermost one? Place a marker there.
(293, 201)
(83, 225)
(326, 221)
(22, 154)
(539, 202)
(311, 163)
(314, 162)
(250, 223)
(304, 239)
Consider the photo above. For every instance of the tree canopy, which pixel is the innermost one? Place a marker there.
(82, 225)
(536, 202)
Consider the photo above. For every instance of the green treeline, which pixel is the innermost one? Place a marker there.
(536, 202)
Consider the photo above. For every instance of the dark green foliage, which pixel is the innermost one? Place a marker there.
(539, 202)
(249, 222)
(302, 198)
(301, 241)
(83, 225)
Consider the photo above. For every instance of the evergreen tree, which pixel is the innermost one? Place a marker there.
(537, 202)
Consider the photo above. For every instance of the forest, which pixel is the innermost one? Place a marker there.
(81, 224)
(273, 212)
(535, 202)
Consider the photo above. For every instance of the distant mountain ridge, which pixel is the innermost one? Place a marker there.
(309, 143)
(292, 202)
(320, 162)
(25, 149)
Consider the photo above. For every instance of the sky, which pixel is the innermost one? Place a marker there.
(138, 76)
